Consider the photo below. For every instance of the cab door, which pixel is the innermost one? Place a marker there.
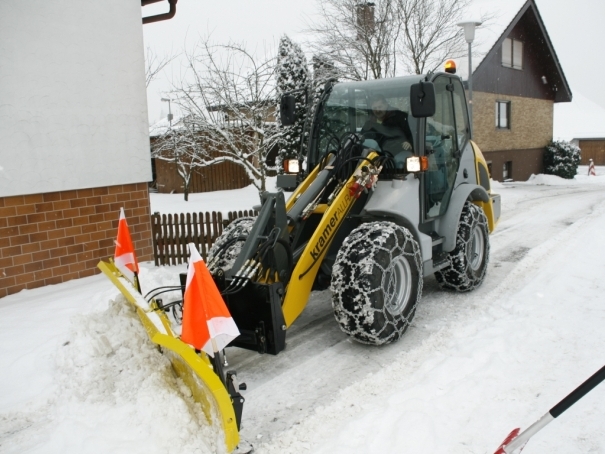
(446, 133)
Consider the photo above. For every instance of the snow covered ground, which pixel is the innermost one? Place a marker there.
(77, 374)
(223, 201)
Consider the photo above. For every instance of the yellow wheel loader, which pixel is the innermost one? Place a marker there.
(390, 189)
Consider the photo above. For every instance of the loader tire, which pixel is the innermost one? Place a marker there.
(229, 245)
(468, 260)
(377, 282)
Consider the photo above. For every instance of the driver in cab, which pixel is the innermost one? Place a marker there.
(392, 130)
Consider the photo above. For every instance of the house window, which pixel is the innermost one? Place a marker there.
(512, 53)
(507, 170)
(503, 114)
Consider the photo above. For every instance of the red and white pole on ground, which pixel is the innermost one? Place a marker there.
(591, 169)
(514, 441)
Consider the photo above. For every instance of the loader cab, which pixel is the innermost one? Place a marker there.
(442, 137)
(348, 108)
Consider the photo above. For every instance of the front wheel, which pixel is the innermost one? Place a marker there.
(227, 247)
(377, 282)
(468, 260)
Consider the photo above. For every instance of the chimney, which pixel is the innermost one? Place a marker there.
(365, 19)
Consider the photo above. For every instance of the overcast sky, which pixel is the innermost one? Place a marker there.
(576, 29)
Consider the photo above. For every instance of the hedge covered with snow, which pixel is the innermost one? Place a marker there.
(562, 159)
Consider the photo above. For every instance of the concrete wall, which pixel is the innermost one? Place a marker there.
(530, 126)
(73, 109)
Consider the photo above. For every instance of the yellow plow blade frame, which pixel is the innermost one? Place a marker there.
(195, 370)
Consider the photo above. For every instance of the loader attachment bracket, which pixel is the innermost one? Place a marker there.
(256, 310)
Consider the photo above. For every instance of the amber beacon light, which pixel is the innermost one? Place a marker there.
(450, 67)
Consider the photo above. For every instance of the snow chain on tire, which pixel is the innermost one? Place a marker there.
(377, 282)
(468, 260)
(238, 228)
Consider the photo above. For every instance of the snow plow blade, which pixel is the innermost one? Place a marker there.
(194, 369)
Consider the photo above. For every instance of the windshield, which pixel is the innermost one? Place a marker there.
(377, 109)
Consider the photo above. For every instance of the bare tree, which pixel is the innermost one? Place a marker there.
(154, 64)
(359, 37)
(389, 37)
(430, 35)
(228, 99)
(184, 146)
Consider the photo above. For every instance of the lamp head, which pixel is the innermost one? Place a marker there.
(469, 29)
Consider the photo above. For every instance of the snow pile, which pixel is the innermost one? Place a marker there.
(112, 378)
(553, 180)
(110, 370)
(549, 180)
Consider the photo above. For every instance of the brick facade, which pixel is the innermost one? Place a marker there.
(522, 145)
(523, 163)
(531, 122)
(58, 236)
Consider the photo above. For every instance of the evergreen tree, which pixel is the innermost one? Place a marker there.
(323, 71)
(561, 158)
(292, 74)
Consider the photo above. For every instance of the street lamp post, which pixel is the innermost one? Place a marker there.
(469, 36)
(169, 111)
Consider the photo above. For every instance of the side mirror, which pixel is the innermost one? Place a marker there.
(286, 110)
(422, 99)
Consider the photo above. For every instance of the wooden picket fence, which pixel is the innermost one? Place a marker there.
(172, 232)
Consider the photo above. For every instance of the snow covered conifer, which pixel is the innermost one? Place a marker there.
(323, 71)
(292, 74)
(561, 158)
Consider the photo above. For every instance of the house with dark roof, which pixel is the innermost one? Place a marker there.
(515, 87)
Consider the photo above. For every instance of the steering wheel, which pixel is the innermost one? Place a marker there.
(332, 126)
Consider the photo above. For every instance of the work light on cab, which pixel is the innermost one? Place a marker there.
(415, 164)
(291, 166)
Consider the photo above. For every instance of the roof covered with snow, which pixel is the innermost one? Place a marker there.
(580, 119)
(162, 126)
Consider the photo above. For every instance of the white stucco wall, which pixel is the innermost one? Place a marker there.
(73, 109)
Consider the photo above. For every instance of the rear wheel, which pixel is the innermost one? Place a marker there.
(469, 259)
(228, 246)
(377, 282)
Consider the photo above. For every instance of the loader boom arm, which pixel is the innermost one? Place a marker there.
(305, 271)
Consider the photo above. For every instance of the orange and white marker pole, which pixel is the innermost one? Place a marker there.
(591, 169)
(124, 256)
